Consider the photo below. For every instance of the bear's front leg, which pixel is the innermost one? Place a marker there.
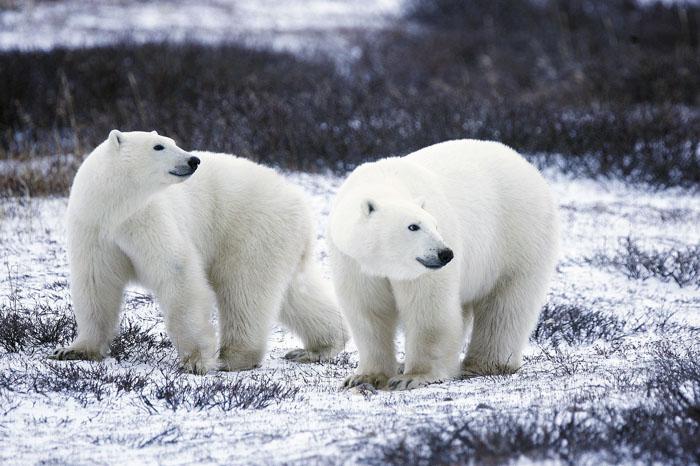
(187, 302)
(168, 262)
(98, 275)
(373, 331)
(368, 305)
(432, 317)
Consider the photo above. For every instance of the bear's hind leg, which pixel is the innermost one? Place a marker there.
(310, 311)
(503, 322)
(248, 303)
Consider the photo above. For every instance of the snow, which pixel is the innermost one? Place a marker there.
(324, 424)
(293, 25)
(280, 24)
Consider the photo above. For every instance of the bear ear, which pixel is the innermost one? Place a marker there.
(368, 206)
(154, 132)
(116, 137)
(420, 201)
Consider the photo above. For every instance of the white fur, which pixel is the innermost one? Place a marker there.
(233, 234)
(493, 210)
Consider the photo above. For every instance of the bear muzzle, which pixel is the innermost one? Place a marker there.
(186, 170)
(442, 258)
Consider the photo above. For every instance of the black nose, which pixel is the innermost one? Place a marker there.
(445, 255)
(193, 162)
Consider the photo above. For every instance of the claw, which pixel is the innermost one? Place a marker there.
(375, 380)
(404, 382)
(302, 355)
(68, 354)
(311, 355)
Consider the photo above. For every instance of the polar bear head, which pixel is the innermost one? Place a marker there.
(396, 239)
(148, 159)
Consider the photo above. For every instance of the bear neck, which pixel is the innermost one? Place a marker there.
(103, 198)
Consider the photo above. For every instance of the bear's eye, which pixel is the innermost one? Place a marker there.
(413, 227)
(158, 147)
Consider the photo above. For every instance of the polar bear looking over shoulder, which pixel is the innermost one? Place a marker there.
(200, 230)
(457, 235)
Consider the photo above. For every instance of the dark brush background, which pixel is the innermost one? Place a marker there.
(611, 86)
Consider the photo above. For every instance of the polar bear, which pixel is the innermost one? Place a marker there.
(459, 235)
(199, 229)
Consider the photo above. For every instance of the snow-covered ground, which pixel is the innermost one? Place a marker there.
(138, 409)
(281, 24)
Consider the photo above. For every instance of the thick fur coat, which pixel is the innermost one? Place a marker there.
(200, 230)
(459, 235)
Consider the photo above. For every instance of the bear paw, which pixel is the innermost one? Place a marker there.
(409, 382)
(234, 361)
(73, 354)
(318, 355)
(375, 380)
(470, 370)
(198, 364)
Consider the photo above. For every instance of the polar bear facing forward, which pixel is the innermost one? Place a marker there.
(456, 235)
(224, 232)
